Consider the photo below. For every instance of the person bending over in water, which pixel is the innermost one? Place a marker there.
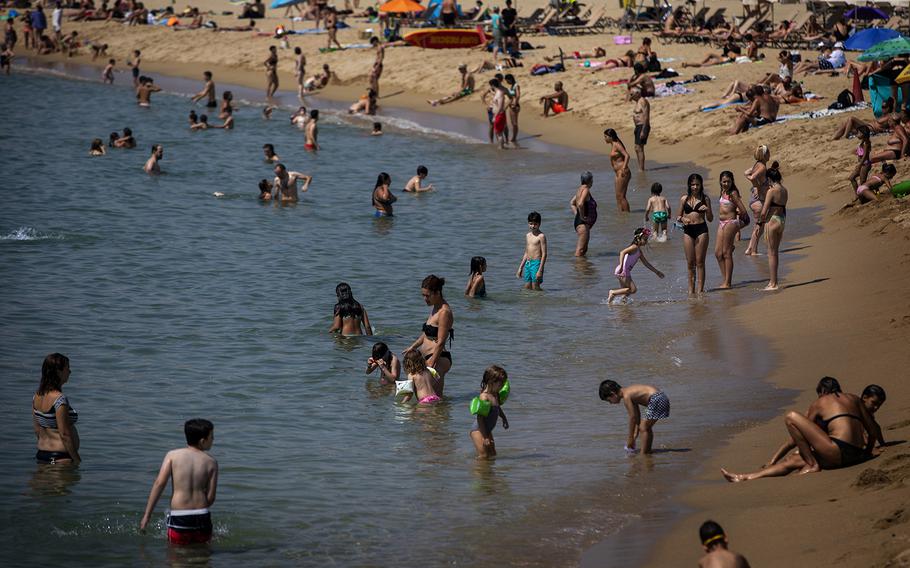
(487, 406)
(97, 148)
(627, 259)
(286, 183)
(774, 214)
(152, 167)
(658, 212)
(476, 287)
(382, 196)
(717, 555)
(413, 184)
(619, 159)
(654, 400)
(732, 216)
(439, 327)
(695, 214)
(387, 362)
(585, 209)
(55, 428)
(844, 438)
(350, 317)
(270, 156)
(427, 382)
(531, 267)
(194, 477)
(874, 183)
(466, 88)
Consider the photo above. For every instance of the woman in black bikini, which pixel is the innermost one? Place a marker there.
(382, 196)
(695, 214)
(585, 209)
(350, 318)
(823, 443)
(438, 328)
(53, 418)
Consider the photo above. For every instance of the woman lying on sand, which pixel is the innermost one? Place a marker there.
(842, 439)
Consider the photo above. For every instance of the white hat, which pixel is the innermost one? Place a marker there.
(839, 45)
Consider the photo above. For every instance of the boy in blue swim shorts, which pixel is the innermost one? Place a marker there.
(532, 263)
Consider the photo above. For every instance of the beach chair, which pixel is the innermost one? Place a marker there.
(793, 36)
(539, 27)
(595, 24)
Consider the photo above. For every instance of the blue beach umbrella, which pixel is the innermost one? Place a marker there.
(863, 40)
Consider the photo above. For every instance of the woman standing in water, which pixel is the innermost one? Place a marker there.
(514, 105)
(730, 213)
(382, 196)
(350, 317)
(774, 214)
(437, 329)
(619, 159)
(53, 418)
(695, 214)
(757, 174)
(585, 209)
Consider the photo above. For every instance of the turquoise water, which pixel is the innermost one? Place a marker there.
(172, 304)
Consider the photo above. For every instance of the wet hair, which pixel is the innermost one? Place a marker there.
(269, 147)
(876, 391)
(193, 116)
(414, 362)
(729, 174)
(656, 188)
(265, 186)
(762, 153)
(889, 170)
(828, 385)
(534, 217)
(774, 173)
(51, 370)
(280, 166)
(110, 140)
(347, 306)
(612, 135)
(381, 351)
(587, 178)
(97, 144)
(433, 283)
(196, 430)
(383, 179)
(422, 170)
(156, 147)
(608, 388)
(377, 126)
(204, 118)
(711, 533)
(701, 183)
(494, 376)
(127, 132)
(477, 262)
(314, 114)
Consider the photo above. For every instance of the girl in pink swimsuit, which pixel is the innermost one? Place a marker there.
(864, 158)
(627, 260)
(427, 384)
(869, 191)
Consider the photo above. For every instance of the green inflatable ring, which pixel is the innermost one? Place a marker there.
(901, 189)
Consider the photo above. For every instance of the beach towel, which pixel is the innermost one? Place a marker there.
(668, 90)
(821, 113)
(725, 105)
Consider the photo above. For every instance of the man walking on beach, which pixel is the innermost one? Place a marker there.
(207, 91)
(271, 72)
(57, 24)
(641, 117)
(509, 31)
(376, 73)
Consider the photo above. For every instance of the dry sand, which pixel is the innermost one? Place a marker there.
(842, 311)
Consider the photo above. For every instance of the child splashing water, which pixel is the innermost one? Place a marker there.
(627, 259)
(494, 389)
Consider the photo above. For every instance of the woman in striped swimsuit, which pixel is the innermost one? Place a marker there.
(53, 417)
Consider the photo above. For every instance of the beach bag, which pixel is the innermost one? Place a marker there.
(844, 100)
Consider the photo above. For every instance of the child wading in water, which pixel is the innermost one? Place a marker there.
(387, 363)
(476, 285)
(194, 476)
(494, 388)
(657, 407)
(426, 383)
(627, 259)
(657, 212)
(535, 257)
(714, 540)
(413, 184)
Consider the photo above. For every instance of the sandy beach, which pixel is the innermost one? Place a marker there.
(841, 311)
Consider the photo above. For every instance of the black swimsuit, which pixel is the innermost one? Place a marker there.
(432, 332)
(849, 454)
(697, 229)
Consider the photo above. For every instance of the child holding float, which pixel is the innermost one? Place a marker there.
(487, 407)
(423, 381)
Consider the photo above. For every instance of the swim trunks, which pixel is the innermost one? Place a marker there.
(448, 19)
(44, 456)
(490, 115)
(641, 134)
(761, 121)
(211, 104)
(190, 526)
(135, 72)
(309, 147)
(659, 216)
(557, 108)
(530, 271)
(499, 123)
(658, 406)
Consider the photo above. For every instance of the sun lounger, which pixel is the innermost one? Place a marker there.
(595, 24)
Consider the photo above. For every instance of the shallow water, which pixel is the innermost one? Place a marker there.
(173, 304)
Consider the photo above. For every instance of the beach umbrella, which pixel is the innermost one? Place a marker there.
(401, 7)
(886, 49)
(863, 40)
(285, 3)
(866, 13)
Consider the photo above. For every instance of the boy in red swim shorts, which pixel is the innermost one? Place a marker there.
(195, 480)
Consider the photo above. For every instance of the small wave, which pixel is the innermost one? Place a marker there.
(29, 234)
(411, 126)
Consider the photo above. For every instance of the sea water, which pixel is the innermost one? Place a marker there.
(173, 303)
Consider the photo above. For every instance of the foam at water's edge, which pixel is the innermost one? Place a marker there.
(29, 234)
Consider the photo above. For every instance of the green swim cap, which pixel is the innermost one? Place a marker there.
(504, 392)
(481, 407)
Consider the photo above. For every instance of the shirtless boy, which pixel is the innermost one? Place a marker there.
(194, 475)
(657, 407)
(717, 555)
(144, 91)
(208, 91)
(286, 184)
(312, 132)
(641, 117)
(413, 184)
(535, 257)
(107, 76)
(657, 212)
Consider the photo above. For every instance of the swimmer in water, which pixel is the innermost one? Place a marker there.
(377, 129)
(286, 184)
(228, 123)
(203, 123)
(428, 384)
(125, 141)
(97, 148)
(387, 362)
(267, 112)
(312, 132)
(382, 196)
(717, 555)
(194, 477)
(438, 328)
(193, 117)
(350, 318)
(144, 91)
(265, 190)
(270, 155)
(151, 165)
(413, 184)
(633, 396)
(300, 117)
(627, 259)
(477, 287)
(494, 379)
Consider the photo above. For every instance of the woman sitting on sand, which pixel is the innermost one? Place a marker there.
(350, 317)
(844, 438)
(438, 328)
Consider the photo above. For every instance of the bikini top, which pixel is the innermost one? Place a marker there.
(723, 200)
(49, 419)
(383, 202)
(859, 151)
(824, 423)
(700, 207)
(432, 332)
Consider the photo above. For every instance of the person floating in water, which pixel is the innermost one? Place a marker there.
(194, 477)
(532, 263)
(627, 259)
(487, 406)
(657, 408)
(717, 555)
